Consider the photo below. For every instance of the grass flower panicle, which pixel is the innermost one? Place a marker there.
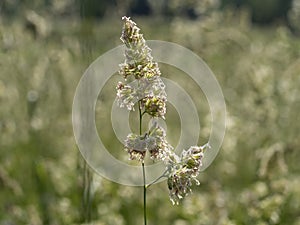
(184, 172)
(148, 88)
(147, 91)
(126, 96)
(160, 145)
(138, 59)
(154, 106)
(192, 159)
(136, 146)
(154, 141)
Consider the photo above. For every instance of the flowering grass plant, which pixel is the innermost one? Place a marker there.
(144, 89)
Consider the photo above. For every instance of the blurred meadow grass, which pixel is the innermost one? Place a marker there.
(254, 179)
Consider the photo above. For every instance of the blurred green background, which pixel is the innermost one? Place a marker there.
(252, 46)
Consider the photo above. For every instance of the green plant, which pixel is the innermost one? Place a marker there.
(147, 91)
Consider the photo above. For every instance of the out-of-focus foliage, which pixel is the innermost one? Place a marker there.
(259, 73)
(294, 16)
(255, 178)
(263, 12)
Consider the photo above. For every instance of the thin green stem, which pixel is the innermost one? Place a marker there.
(145, 194)
(141, 116)
(143, 167)
(157, 179)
